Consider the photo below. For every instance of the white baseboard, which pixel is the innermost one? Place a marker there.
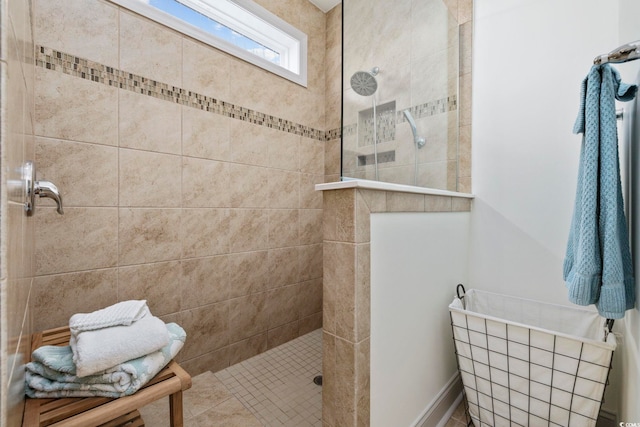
(438, 412)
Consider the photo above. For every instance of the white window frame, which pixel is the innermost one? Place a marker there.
(248, 19)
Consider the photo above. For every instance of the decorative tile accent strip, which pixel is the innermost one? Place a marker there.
(431, 108)
(89, 70)
(350, 130)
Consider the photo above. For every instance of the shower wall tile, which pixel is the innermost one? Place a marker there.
(283, 267)
(205, 70)
(310, 226)
(205, 135)
(66, 294)
(243, 350)
(147, 123)
(151, 235)
(279, 300)
(85, 174)
(157, 283)
(68, 25)
(207, 328)
(64, 103)
(248, 316)
(207, 165)
(247, 186)
(309, 197)
(282, 334)
(283, 227)
(284, 189)
(205, 232)
(141, 169)
(162, 49)
(207, 183)
(248, 273)
(248, 230)
(81, 239)
(204, 281)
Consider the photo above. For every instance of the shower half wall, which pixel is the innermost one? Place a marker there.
(423, 51)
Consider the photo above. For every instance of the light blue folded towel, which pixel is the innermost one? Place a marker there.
(52, 373)
(597, 267)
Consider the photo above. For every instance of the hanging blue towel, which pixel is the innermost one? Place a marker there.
(597, 267)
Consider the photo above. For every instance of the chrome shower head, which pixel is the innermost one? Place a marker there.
(364, 82)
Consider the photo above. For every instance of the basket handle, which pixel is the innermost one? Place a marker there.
(460, 286)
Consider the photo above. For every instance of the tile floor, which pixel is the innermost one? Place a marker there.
(272, 389)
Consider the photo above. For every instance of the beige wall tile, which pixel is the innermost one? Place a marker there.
(58, 297)
(309, 197)
(310, 262)
(329, 380)
(282, 334)
(283, 267)
(207, 328)
(248, 273)
(248, 316)
(247, 187)
(332, 157)
(310, 323)
(67, 26)
(205, 135)
(81, 239)
(205, 232)
(362, 382)
(231, 412)
(464, 160)
(309, 298)
(213, 361)
(149, 179)
(64, 103)
(283, 227)
(460, 205)
(242, 350)
(284, 189)
(310, 226)
(148, 123)
(158, 283)
(405, 202)
(248, 230)
(248, 143)
(205, 69)
(162, 60)
(312, 156)
(204, 281)
(363, 292)
(205, 183)
(278, 302)
(85, 174)
(285, 150)
(148, 235)
(437, 203)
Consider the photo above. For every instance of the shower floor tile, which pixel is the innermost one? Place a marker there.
(274, 388)
(277, 386)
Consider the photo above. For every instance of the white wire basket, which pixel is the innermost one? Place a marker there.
(529, 363)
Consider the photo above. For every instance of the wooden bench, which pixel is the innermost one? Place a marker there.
(103, 411)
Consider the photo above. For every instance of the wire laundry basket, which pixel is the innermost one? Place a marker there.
(529, 363)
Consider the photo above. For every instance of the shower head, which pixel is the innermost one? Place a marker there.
(364, 82)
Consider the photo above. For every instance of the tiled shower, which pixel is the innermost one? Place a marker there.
(187, 176)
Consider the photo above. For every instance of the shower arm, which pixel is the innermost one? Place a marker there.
(418, 140)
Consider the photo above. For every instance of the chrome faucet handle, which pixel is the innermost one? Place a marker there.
(41, 188)
(49, 190)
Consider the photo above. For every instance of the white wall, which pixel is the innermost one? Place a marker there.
(529, 59)
(629, 353)
(417, 259)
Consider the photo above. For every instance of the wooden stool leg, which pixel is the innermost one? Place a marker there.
(175, 409)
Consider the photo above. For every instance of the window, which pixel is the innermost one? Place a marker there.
(239, 27)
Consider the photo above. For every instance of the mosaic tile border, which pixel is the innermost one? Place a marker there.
(54, 60)
(431, 108)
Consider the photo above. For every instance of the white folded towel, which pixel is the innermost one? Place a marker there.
(100, 349)
(121, 314)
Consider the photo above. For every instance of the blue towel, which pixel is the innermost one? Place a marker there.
(597, 267)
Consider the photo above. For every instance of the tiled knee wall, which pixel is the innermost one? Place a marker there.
(347, 293)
